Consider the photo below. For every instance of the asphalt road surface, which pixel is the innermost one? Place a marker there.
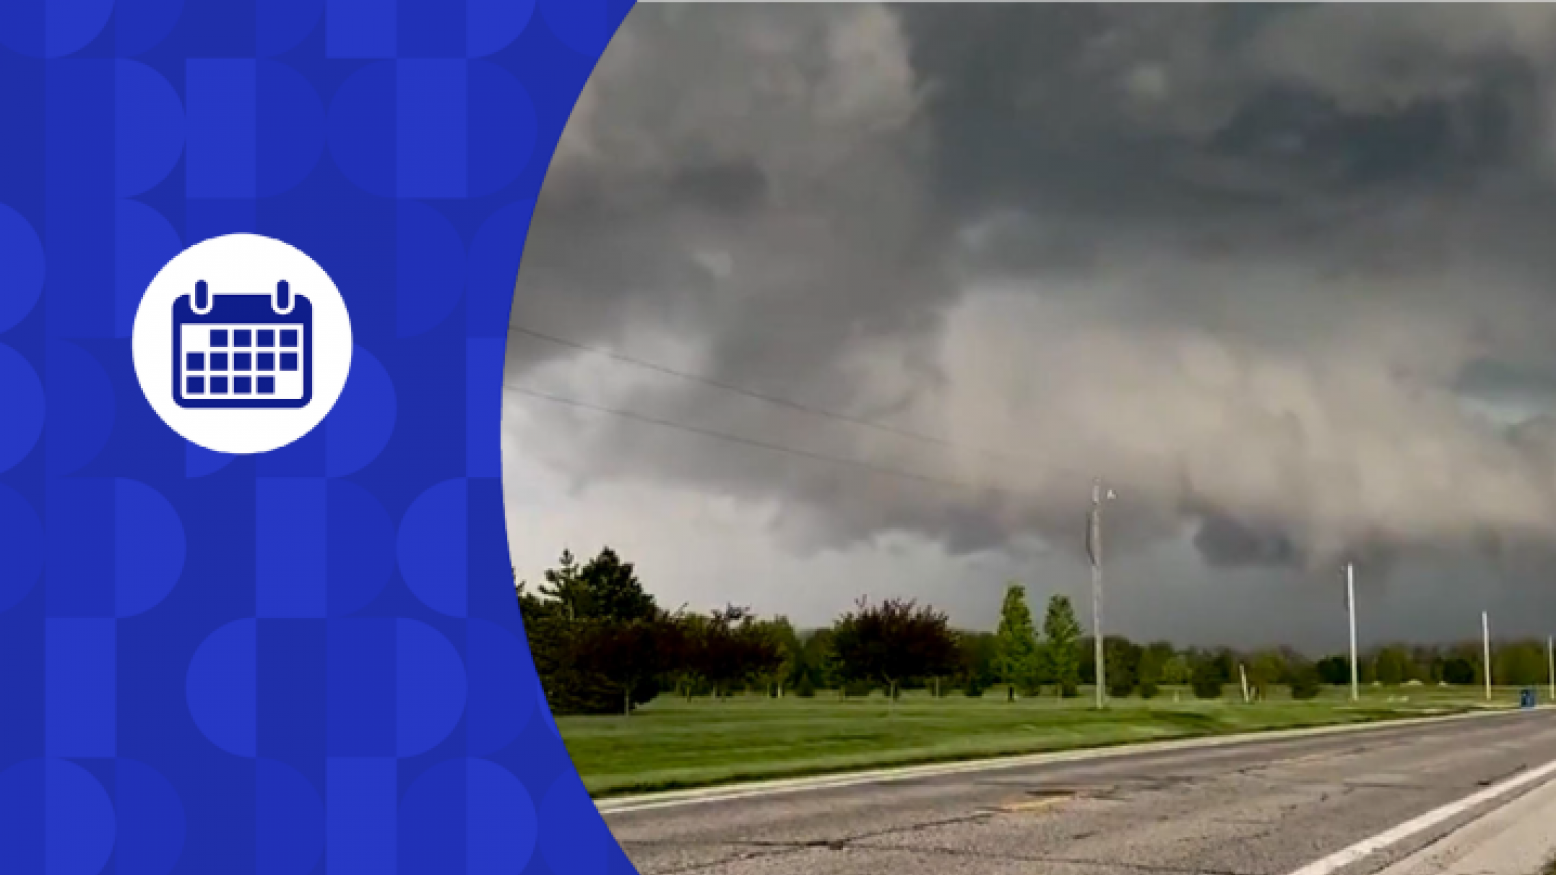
(1262, 807)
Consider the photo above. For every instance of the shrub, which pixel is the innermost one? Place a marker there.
(805, 689)
(1206, 681)
(857, 689)
(1305, 683)
(1149, 689)
(973, 689)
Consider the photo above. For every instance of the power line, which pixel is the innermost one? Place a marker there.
(761, 396)
(750, 442)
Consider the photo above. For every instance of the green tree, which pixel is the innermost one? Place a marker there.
(1226, 664)
(732, 648)
(791, 655)
(1122, 658)
(1459, 671)
(1391, 667)
(631, 655)
(1335, 670)
(1176, 671)
(977, 654)
(1061, 632)
(1426, 664)
(1519, 663)
(804, 688)
(1086, 659)
(1153, 663)
(614, 591)
(1304, 679)
(821, 660)
(1160, 652)
(1267, 670)
(591, 629)
(562, 589)
(1207, 678)
(1016, 642)
(686, 673)
(893, 642)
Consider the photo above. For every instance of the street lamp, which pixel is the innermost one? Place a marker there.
(1485, 643)
(1350, 610)
(1094, 550)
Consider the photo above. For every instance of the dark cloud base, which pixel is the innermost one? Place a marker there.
(1164, 242)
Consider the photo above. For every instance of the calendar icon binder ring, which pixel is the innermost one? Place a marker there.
(242, 350)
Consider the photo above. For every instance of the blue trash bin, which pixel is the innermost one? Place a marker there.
(1527, 698)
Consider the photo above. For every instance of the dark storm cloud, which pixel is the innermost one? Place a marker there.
(1227, 542)
(727, 187)
(1240, 258)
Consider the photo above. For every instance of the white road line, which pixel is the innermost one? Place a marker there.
(1367, 847)
(678, 798)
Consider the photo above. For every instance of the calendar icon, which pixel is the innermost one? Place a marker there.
(242, 351)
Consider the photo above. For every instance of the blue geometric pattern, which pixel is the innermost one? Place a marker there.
(309, 660)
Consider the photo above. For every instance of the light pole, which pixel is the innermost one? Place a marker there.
(1094, 550)
(1550, 657)
(1485, 644)
(1350, 612)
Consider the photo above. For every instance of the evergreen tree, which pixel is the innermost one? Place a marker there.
(1061, 631)
(1016, 642)
(599, 642)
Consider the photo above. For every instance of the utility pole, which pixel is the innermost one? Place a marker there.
(1094, 549)
(1550, 657)
(1485, 643)
(1350, 611)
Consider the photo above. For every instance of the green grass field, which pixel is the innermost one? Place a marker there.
(672, 743)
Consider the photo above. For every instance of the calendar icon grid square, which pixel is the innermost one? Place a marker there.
(236, 372)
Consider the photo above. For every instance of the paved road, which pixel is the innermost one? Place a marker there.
(1265, 807)
(1516, 839)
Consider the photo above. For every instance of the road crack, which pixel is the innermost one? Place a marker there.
(1053, 859)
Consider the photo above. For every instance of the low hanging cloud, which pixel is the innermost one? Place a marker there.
(1281, 274)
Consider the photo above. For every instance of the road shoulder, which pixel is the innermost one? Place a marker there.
(729, 792)
(1516, 838)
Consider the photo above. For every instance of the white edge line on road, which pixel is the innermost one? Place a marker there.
(678, 798)
(1367, 847)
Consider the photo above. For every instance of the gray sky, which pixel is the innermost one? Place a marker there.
(1282, 273)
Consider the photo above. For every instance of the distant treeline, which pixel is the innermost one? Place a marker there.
(603, 645)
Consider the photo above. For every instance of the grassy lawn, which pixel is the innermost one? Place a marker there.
(672, 743)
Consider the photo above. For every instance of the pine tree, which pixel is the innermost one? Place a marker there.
(598, 640)
(1060, 632)
(1016, 641)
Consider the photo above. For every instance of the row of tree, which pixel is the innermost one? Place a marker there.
(602, 644)
(1058, 657)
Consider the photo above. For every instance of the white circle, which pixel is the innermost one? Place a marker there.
(242, 265)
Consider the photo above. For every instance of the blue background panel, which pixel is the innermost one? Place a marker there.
(310, 660)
